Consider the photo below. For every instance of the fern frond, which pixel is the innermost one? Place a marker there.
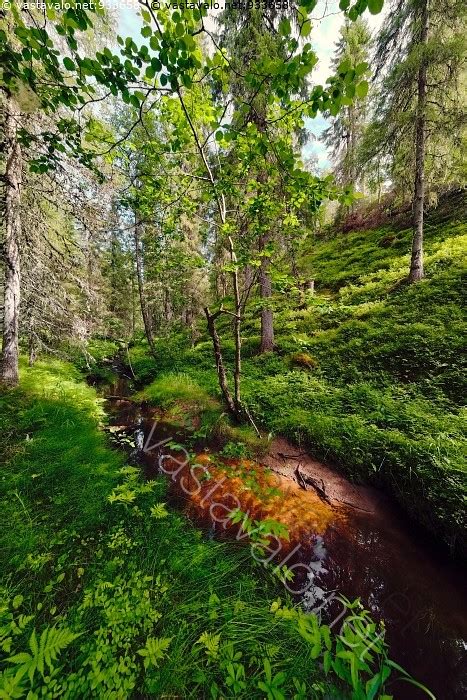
(159, 511)
(155, 650)
(56, 640)
(211, 643)
(52, 641)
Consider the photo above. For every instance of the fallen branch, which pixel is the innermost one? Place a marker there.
(303, 480)
(284, 456)
(300, 480)
(118, 397)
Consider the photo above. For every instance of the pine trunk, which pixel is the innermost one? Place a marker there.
(416, 261)
(10, 350)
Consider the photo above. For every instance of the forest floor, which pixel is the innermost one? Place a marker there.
(96, 563)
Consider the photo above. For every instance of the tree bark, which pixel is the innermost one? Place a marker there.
(10, 349)
(265, 285)
(32, 349)
(237, 330)
(139, 277)
(267, 323)
(220, 368)
(167, 306)
(113, 272)
(416, 262)
(351, 147)
(187, 316)
(379, 182)
(133, 309)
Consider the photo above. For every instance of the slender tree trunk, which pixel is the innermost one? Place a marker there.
(220, 367)
(265, 285)
(379, 183)
(237, 330)
(416, 262)
(293, 264)
(188, 319)
(351, 153)
(10, 349)
(167, 306)
(267, 323)
(234, 405)
(139, 277)
(133, 310)
(32, 349)
(113, 272)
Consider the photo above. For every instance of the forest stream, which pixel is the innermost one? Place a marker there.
(351, 540)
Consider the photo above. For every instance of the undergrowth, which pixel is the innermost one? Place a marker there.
(109, 593)
(369, 372)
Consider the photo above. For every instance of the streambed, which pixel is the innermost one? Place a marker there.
(344, 539)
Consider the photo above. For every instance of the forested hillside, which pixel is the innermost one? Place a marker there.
(368, 371)
(232, 377)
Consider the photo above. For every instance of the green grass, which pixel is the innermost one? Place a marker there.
(127, 598)
(383, 393)
(59, 468)
(170, 388)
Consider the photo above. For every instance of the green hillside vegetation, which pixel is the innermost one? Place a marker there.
(368, 372)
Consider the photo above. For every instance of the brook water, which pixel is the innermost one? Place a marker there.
(353, 539)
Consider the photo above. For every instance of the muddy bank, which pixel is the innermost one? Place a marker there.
(293, 463)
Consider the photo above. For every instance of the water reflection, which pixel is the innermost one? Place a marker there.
(414, 588)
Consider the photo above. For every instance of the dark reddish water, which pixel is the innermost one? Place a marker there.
(358, 544)
(418, 592)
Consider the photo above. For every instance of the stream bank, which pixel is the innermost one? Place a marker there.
(345, 539)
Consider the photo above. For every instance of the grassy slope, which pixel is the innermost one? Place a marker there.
(369, 374)
(117, 575)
